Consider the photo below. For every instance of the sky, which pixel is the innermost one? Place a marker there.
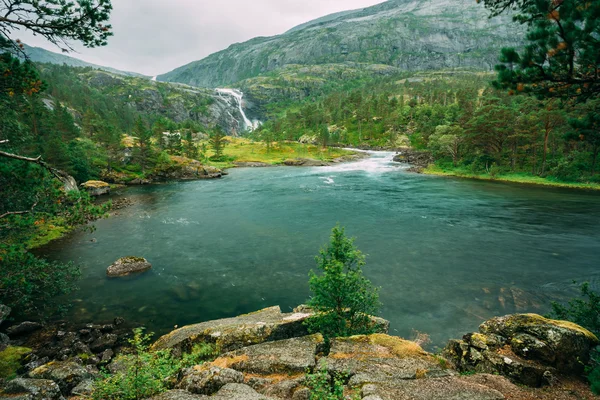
(153, 37)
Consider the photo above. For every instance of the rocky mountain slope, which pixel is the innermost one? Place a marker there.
(39, 55)
(407, 34)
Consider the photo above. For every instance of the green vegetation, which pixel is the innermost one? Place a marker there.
(325, 387)
(584, 311)
(145, 373)
(10, 361)
(341, 296)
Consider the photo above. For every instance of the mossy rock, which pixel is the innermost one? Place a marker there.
(10, 361)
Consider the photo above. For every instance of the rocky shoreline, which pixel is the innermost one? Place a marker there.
(267, 355)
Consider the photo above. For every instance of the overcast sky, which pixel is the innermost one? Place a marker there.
(155, 36)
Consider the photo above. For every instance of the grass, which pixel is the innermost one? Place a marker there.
(245, 150)
(516, 177)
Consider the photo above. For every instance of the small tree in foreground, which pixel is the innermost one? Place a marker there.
(341, 296)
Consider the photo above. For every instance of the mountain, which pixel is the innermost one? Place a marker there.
(39, 55)
(411, 35)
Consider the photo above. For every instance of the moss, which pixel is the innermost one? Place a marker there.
(399, 347)
(10, 361)
(96, 184)
(48, 231)
(534, 319)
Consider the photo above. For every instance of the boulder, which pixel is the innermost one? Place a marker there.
(238, 391)
(527, 348)
(84, 389)
(381, 358)
(96, 188)
(419, 159)
(229, 334)
(290, 356)
(446, 388)
(23, 328)
(207, 379)
(104, 342)
(32, 389)
(66, 374)
(4, 313)
(178, 395)
(127, 266)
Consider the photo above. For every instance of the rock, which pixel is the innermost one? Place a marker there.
(252, 164)
(230, 334)
(96, 188)
(207, 379)
(305, 162)
(527, 348)
(290, 356)
(446, 388)
(301, 394)
(23, 328)
(418, 159)
(178, 395)
(127, 266)
(238, 391)
(66, 374)
(33, 389)
(107, 355)
(381, 358)
(84, 389)
(104, 342)
(4, 313)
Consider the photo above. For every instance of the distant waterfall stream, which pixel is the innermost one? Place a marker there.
(237, 97)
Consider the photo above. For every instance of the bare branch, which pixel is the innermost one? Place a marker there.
(19, 212)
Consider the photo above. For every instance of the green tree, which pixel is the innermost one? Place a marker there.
(144, 146)
(562, 55)
(341, 295)
(110, 139)
(217, 142)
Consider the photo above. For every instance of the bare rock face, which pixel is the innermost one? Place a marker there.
(96, 188)
(527, 348)
(127, 266)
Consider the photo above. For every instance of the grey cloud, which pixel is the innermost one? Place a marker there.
(156, 36)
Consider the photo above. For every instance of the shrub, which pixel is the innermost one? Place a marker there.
(341, 296)
(324, 387)
(145, 374)
(584, 311)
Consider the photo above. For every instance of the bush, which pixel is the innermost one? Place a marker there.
(584, 311)
(341, 296)
(145, 374)
(324, 387)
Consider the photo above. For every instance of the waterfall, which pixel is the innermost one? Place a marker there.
(154, 78)
(237, 95)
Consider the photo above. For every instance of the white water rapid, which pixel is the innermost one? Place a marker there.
(238, 96)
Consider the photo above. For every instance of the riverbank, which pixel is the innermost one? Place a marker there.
(520, 178)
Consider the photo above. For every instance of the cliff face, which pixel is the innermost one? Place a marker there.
(410, 35)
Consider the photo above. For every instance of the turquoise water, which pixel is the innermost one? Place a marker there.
(447, 253)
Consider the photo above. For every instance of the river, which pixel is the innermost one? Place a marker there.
(447, 253)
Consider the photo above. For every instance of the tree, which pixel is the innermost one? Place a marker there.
(562, 55)
(447, 140)
(58, 21)
(341, 296)
(218, 142)
(110, 139)
(144, 148)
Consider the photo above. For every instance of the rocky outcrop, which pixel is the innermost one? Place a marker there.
(182, 168)
(127, 266)
(527, 348)
(96, 188)
(229, 334)
(305, 162)
(417, 159)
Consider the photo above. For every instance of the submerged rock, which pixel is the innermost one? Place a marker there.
(527, 348)
(127, 266)
(96, 188)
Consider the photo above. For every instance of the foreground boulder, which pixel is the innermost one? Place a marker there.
(31, 389)
(208, 379)
(127, 266)
(229, 334)
(96, 188)
(527, 348)
(66, 374)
